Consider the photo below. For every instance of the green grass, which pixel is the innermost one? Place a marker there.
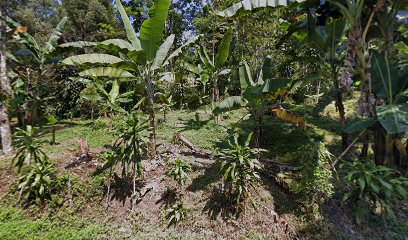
(14, 224)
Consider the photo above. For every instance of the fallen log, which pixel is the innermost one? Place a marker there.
(182, 140)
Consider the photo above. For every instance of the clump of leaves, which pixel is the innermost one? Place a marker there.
(239, 169)
(28, 147)
(130, 144)
(175, 213)
(374, 188)
(39, 183)
(179, 170)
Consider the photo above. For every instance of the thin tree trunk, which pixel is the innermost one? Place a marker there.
(340, 106)
(5, 129)
(110, 121)
(152, 116)
(152, 137)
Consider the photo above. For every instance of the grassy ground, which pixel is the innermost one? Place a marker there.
(88, 217)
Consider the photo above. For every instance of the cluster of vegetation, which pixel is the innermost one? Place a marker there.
(211, 58)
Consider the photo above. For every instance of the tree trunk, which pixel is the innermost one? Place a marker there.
(152, 137)
(340, 106)
(379, 146)
(5, 129)
(215, 98)
(152, 116)
(256, 130)
(110, 121)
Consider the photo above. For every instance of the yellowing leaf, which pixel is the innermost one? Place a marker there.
(20, 30)
(286, 116)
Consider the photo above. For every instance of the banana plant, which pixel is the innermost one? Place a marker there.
(390, 86)
(211, 69)
(166, 104)
(327, 42)
(37, 57)
(253, 95)
(144, 57)
(247, 6)
(112, 99)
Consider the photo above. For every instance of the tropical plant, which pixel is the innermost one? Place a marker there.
(247, 6)
(327, 42)
(166, 104)
(175, 213)
(143, 58)
(39, 183)
(254, 95)
(373, 186)
(211, 70)
(240, 169)
(388, 84)
(37, 58)
(111, 100)
(130, 144)
(179, 170)
(28, 147)
(52, 120)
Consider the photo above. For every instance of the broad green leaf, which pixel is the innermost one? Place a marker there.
(93, 58)
(163, 52)
(360, 125)
(205, 59)
(91, 97)
(245, 76)
(116, 45)
(102, 90)
(179, 50)
(335, 30)
(78, 44)
(273, 85)
(152, 29)
(394, 117)
(315, 37)
(247, 6)
(55, 36)
(114, 92)
(224, 49)
(106, 72)
(230, 103)
(386, 80)
(130, 32)
(138, 56)
(266, 69)
(190, 67)
(116, 107)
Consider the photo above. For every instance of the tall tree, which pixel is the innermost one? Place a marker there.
(6, 92)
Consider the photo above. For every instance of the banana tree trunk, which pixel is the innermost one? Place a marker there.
(152, 136)
(5, 129)
(152, 116)
(256, 129)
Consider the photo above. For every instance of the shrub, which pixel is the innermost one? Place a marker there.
(39, 183)
(373, 186)
(175, 213)
(239, 169)
(28, 147)
(179, 170)
(130, 143)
